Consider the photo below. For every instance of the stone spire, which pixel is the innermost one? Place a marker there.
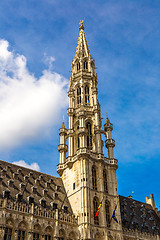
(82, 49)
(83, 62)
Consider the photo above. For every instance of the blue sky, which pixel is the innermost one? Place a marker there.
(38, 40)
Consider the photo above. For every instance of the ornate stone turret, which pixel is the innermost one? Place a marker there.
(109, 143)
(62, 148)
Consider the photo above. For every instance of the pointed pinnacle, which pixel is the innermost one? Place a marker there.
(63, 124)
(107, 119)
(82, 46)
(81, 25)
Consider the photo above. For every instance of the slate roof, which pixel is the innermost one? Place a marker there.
(26, 185)
(139, 215)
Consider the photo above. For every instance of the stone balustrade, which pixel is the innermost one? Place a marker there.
(135, 234)
(36, 211)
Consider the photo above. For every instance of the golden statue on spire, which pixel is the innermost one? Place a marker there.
(106, 114)
(81, 25)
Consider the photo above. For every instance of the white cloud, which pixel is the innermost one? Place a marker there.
(29, 107)
(33, 166)
(49, 60)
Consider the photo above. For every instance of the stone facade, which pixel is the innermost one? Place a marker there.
(85, 153)
(35, 205)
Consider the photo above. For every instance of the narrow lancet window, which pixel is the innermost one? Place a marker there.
(78, 142)
(78, 66)
(89, 135)
(47, 237)
(94, 178)
(105, 181)
(86, 95)
(107, 213)
(78, 96)
(95, 207)
(78, 138)
(85, 65)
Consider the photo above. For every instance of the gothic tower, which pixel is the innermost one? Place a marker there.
(88, 176)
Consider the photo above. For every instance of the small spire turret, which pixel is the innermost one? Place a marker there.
(62, 147)
(109, 143)
(63, 124)
(108, 125)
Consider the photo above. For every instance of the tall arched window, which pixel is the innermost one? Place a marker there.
(85, 65)
(61, 234)
(36, 236)
(78, 66)
(95, 207)
(78, 95)
(72, 236)
(22, 231)
(7, 233)
(89, 135)
(94, 178)
(86, 94)
(107, 213)
(105, 181)
(48, 233)
(21, 235)
(37, 232)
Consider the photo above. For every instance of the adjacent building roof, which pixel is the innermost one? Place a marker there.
(26, 185)
(138, 215)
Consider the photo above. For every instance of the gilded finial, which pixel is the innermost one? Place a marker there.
(106, 114)
(63, 125)
(81, 25)
(107, 119)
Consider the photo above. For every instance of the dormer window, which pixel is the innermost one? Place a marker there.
(34, 189)
(78, 66)
(85, 65)
(65, 209)
(10, 182)
(56, 195)
(58, 188)
(6, 194)
(30, 199)
(86, 94)
(19, 197)
(78, 95)
(55, 206)
(43, 202)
